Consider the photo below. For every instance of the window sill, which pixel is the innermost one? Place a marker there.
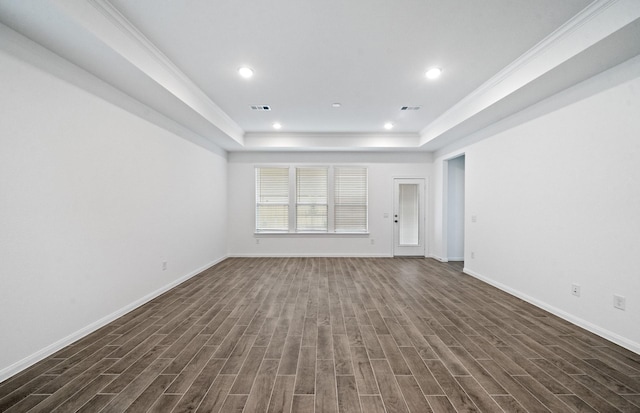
(310, 234)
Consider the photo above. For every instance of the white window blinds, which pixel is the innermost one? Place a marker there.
(311, 199)
(350, 199)
(272, 199)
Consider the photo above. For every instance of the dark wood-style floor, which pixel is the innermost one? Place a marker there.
(333, 335)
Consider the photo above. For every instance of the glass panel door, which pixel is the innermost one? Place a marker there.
(409, 217)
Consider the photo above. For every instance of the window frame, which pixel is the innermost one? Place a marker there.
(292, 207)
(297, 202)
(366, 195)
(257, 203)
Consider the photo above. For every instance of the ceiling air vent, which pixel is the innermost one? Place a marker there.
(261, 107)
(410, 107)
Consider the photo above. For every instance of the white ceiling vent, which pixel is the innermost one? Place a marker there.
(261, 107)
(410, 107)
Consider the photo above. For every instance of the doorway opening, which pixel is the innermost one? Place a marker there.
(454, 209)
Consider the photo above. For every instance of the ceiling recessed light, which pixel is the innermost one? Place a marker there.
(433, 73)
(245, 72)
(388, 125)
(336, 105)
(277, 125)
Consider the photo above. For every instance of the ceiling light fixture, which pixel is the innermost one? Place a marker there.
(245, 72)
(388, 126)
(276, 125)
(433, 73)
(336, 105)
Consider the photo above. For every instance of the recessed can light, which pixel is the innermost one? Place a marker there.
(433, 73)
(245, 72)
(276, 125)
(388, 126)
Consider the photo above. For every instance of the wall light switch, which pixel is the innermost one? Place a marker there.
(474, 218)
(385, 215)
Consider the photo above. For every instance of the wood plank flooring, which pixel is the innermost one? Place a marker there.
(344, 335)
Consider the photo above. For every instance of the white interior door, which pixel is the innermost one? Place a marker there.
(408, 217)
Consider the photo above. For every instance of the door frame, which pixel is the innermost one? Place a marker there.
(422, 215)
(445, 206)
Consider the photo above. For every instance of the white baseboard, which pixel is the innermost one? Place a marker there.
(436, 257)
(455, 259)
(28, 361)
(314, 255)
(595, 329)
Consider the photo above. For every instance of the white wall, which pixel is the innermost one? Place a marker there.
(455, 209)
(383, 167)
(92, 201)
(557, 201)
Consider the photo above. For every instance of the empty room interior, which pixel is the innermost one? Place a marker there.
(337, 206)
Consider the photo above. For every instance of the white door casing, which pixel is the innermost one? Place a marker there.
(408, 217)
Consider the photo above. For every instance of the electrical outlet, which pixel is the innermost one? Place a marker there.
(473, 255)
(164, 266)
(373, 241)
(474, 218)
(619, 302)
(575, 290)
(257, 240)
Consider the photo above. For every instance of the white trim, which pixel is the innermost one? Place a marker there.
(444, 239)
(28, 361)
(595, 329)
(267, 234)
(309, 255)
(617, 75)
(445, 208)
(25, 50)
(331, 198)
(436, 257)
(594, 23)
(324, 135)
(540, 50)
(337, 158)
(261, 141)
(107, 24)
(423, 233)
(293, 201)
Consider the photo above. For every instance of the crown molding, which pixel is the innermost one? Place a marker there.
(351, 135)
(333, 140)
(28, 51)
(594, 23)
(107, 24)
(599, 83)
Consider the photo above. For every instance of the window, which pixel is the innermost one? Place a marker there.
(272, 199)
(322, 199)
(350, 199)
(311, 199)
